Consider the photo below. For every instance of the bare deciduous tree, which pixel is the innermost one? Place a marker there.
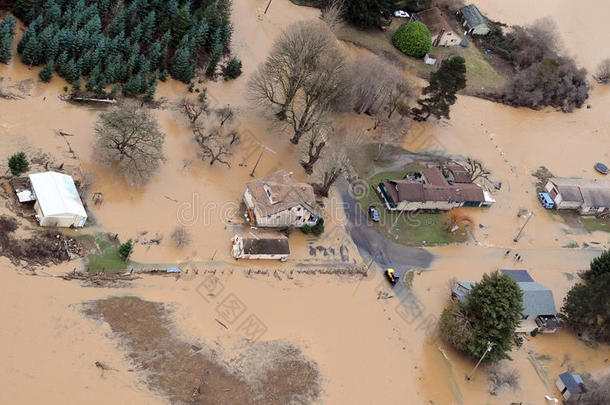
(130, 138)
(333, 14)
(312, 148)
(475, 169)
(293, 59)
(317, 95)
(214, 144)
(334, 162)
(194, 109)
(181, 237)
(376, 85)
(225, 114)
(602, 74)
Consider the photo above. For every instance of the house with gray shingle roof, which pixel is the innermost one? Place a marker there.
(474, 21)
(588, 196)
(277, 200)
(538, 304)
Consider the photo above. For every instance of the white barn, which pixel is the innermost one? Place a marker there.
(57, 200)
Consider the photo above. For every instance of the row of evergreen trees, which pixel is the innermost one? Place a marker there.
(129, 42)
(7, 32)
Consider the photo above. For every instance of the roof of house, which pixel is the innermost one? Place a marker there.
(434, 176)
(405, 190)
(433, 19)
(285, 193)
(56, 194)
(537, 299)
(573, 382)
(410, 190)
(472, 14)
(460, 175)
(265, 243)
(595, 197)
(518, 275)
(593, 192)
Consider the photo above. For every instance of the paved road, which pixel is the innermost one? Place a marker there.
(372, 243)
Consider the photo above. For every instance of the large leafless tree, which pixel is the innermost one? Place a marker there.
(129, 138)
(334, 161)
(294, 58)
(316, 98)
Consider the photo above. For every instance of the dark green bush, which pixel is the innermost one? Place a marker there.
(413, 39)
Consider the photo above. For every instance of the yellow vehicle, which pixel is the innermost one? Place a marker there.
(391, 276)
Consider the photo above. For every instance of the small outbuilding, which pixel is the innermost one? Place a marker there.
(474, 21)
(270, 246)
(57, 200)
(570, 385)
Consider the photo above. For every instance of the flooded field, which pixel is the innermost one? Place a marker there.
(368, 346)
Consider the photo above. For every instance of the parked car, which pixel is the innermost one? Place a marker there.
(391, 276)
(374, 213)
(546, 200)
(401, 14)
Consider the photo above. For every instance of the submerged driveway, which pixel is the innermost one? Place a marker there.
(372, 244)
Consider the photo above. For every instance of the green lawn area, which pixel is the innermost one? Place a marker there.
(480, 74)
(410, 229)
(106, 256)
(596, 224)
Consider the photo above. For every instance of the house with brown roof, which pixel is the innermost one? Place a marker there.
(250, 245)
(277, 200)
(434, 189)
(441, 31)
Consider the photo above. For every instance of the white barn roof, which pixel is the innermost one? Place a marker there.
(57, 194)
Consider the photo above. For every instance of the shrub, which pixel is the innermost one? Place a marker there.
(534, 332)
(125, 250)
(18, 164)
(306, 229)
(413, 39)
(318, 228)
(232, 69)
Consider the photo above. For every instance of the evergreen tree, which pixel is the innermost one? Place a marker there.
(100, 88)
(6, 43)
(71, 71)
(211, 16)
(440, 94)
(232, 69)
(46, 74)
(154, 55)
(489, 316)
(182, 67)
(150, 93)
(368, 13)
(61, 63)
(28, 56)
(125, 250)
(18, 164)
(214, 59)
(181, 23)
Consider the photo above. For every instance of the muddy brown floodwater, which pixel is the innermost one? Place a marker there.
(369, 346)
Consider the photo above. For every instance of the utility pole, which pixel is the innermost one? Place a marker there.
(267, 8)
(489, 346)
(529, 216)
(257, 161)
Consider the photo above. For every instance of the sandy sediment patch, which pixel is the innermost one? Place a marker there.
(260, 373)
